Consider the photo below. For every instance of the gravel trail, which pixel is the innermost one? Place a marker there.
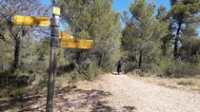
(110, 93)
(146, 97)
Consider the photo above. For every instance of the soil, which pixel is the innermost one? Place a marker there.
(110, 93)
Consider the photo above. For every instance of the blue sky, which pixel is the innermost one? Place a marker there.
(121, 5)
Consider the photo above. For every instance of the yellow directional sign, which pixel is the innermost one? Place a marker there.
(31, 21)
(76, 43)
(64, 35)
(56, 10)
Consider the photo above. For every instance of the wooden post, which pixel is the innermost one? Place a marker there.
(53, 60)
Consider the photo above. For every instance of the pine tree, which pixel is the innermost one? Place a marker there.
(141, 36)
(95, 20)
(167, 37)
(15, 35)
(182, 12)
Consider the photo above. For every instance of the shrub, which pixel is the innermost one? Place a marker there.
(185, 82)
(129, 66)
(35, 67)
(177, 68)
(12, 92)
(40, 80)
(198, 64)
(3, 93)
(15, 92)
(89, 69)
(151, 68)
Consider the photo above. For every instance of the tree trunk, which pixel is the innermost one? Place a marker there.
(100, 60)
(164, 48)
(15, 63)
(140, 59)
(79, 57)
(176, 43)
(176, 48)
(177, 38)
(78, 54)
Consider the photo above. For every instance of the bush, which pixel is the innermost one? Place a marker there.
(177, 68)
(12, 92)
(15, 92)
(89, 69)
(40, 80)
(35, 67)
(129, 66)
(3, 93)
(185, 82)
(198, 64)
(151, 68)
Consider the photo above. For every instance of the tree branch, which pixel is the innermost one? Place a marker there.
(2, 36)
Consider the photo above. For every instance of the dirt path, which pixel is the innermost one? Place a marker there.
(146, 97)
(111, 93)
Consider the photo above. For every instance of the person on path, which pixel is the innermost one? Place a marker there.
(119, 65)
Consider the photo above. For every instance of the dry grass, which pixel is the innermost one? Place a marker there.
(188, 84)
(95, 84)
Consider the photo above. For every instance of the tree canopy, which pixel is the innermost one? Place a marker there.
(94, 20)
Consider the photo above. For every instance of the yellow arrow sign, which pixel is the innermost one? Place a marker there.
(64, 35)
(31, 21)
(76, 43)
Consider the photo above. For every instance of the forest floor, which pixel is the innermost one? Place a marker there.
(115, 93)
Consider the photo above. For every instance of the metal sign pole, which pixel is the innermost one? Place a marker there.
(53, 60)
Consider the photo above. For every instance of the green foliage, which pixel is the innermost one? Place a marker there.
(198, 64)
(177, 68)
(143, 35)
(190, 49)
(15, 36)
(35, 58)
(150, 41)
(129, 66)
(14, 84)
(15, 92)
(97, 21)
(182, 13)
(72, 72)
(185, 82)
(4, 93)
(5, 59)
(40, 80)
(152, 68)
(89, 70)
(6, 51)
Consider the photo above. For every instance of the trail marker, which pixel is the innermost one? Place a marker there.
(41, 21)
(64, 35)
(76, 43)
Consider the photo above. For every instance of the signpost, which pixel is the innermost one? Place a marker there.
(63, 35)
(55, 21)
(56, 10)
(76, 43)
(68, 41)
(41, 21)
(58, 39)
